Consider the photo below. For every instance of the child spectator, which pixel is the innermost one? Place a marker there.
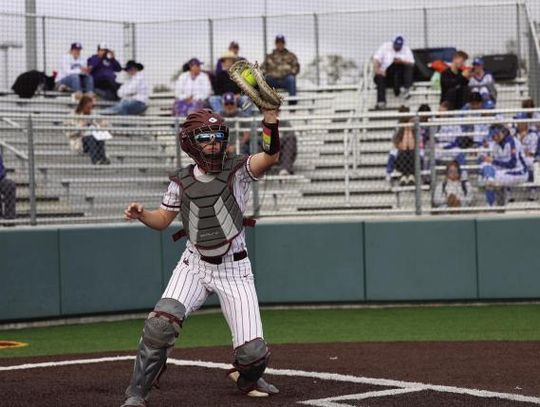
(103, 67)
(281, 68)
(401, 157)
(393, 65)
(482, 81)
(134, 92)
(83, 140)
(455, 81)
(529, 140)
(73, 74)
(193, 88)
(8, 194)
(453, 192)
(243, 129)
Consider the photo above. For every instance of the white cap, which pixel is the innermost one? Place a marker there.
(103, 45)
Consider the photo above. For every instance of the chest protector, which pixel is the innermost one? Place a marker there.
(209, 211)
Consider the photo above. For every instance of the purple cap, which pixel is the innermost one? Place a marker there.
(478, 61)
(228, 97)
(195, 61)
(398, 42)
(76, 45)
(280, 38)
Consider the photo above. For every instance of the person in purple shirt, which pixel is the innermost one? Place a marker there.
(103, 67)
(7, 194)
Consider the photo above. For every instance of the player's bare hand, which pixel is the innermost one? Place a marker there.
(270, 116)
(134, 211)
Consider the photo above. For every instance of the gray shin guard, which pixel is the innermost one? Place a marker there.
(161, 329)
(251, 360)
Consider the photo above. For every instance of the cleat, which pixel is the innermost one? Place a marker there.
(261, 389)
(135, 401)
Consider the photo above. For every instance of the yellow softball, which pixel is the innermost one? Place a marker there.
(247, 75)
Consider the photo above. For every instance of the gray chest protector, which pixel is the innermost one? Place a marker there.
(209, 212)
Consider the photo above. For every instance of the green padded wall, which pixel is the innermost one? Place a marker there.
(109, 269)
(421, 260)
(29, 274)
(319, 262)
(509, 258)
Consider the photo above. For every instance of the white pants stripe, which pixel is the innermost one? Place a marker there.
(193, 280)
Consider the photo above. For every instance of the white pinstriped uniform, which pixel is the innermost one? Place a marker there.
(193, 279)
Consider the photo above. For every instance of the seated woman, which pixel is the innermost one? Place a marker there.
(83, 140)
(453, 192)
(192, 90)
(401, 157)
(133, 92)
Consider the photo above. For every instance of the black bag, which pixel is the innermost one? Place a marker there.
(424, 56)
(503, 67)
(29, 82)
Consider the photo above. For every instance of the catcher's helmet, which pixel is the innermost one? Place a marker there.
(198, 122)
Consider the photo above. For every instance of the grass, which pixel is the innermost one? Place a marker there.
(446, 323)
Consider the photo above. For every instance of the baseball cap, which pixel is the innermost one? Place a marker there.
(521, 115)
(228, 97)
(489, 104)
(398, 41)
(280, 38)
(194, 61)
(478, 61)
(228, 55)
(76, 45)
(133, 64)
(103, 45)
(234, 45)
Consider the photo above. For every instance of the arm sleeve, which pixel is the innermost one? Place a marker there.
(207, 90)
(94, 61)
(439, 200)
(171, 198)
(467, 199)
(391, 163)
(244, 174)
(180, 91)
(296, 65)
(409, 57)
(116, 65)
(129, 88)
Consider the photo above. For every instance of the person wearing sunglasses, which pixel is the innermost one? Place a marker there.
(211, 197)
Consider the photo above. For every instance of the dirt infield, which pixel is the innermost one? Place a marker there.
(412, 374)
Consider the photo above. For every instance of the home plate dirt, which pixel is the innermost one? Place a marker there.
(328, 375)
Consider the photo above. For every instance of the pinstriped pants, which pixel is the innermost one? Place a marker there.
(193, 280)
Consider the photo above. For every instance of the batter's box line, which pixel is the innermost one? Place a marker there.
(331, 401)
(401, 385)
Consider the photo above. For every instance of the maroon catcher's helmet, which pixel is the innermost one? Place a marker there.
(203, 121)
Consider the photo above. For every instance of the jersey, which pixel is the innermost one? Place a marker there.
(508, 155)
(241, 190)
(530, 147)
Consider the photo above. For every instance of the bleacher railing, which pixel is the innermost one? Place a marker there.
(340, 168)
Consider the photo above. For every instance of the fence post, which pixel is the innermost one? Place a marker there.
(31, 35)
(177, 142)
(317, 50)
(518, 36)
(265, 36)
(211, 40)
(417, 167)
(133, 41)
(425, 18)
(31, 172)
(44, 43)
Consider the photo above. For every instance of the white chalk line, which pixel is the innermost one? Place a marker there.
(296, 373)
(331, 401)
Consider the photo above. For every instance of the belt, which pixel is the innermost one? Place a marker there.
(219, 259)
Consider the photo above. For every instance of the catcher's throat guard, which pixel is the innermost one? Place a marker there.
(244, 74)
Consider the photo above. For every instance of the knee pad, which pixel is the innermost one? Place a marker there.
(251, 359)
(163, 324)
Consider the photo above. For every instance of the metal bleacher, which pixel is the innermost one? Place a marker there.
(340, 166)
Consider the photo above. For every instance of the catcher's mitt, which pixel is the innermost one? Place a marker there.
(250, 79)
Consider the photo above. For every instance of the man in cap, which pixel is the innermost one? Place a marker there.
(234, 48)
(281, 68)
(193, 88)
(393, 65)
(133, 92)
(103, 68)
(224, 84)
(74, 73)
(482, 81)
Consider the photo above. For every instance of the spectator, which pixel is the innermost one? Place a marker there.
(234, 48)
(401, 157)
(134, 92)
(73, 74)
(231, 110)
(529, 104)
(224, 84)
(529, 139)
(393, 65)
(479, 131)
(505, 166)
(103, 67)
(455, 81)
(193, 89)
(83, 140)
(425, 132)
(281, 68)
(447, 139)
(482, 81)
(8, 194)
(453, 192)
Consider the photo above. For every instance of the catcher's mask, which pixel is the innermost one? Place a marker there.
(204, 126)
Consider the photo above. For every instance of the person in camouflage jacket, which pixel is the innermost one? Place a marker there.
(281, 68)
